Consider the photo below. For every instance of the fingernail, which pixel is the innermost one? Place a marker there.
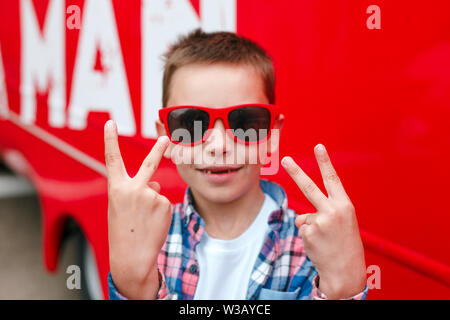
(163, 139)
(286, 161)
(109, 124)
(320, 148)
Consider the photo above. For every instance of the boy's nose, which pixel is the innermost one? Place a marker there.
(216, 143)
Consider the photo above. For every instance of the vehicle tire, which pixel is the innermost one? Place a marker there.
(90, 280)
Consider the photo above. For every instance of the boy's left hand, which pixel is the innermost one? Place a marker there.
(330, 236)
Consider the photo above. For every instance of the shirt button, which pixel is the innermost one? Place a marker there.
(196, 227)
(193, 269)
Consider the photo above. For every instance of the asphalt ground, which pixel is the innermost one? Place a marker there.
(22, 271)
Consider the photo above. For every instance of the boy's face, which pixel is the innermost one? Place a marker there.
(224, 173)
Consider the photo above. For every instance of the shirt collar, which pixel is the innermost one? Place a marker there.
(272, 189)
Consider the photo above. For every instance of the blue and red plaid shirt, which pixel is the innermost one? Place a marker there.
(282, 270)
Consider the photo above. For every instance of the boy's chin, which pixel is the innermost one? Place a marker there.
(224, 186)
(224, 192)
(219, 193)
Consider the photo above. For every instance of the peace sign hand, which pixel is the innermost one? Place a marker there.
(330, 236)
(139, 219)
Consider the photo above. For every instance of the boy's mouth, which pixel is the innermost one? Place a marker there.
(219, 174)
(218, 170)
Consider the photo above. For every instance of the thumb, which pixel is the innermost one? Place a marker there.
(154, 185)
(302, 219)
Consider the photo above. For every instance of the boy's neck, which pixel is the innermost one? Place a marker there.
(229, 220)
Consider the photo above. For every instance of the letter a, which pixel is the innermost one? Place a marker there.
(74, 21)
(74, 280)
(374, 21)
(374, 281)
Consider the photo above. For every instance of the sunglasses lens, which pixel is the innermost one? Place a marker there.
(187, 125)
(250, 123)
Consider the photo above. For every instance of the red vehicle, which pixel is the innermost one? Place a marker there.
(372, 83)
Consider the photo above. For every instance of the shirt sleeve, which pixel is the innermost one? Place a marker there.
(316, 294)
(162, 294)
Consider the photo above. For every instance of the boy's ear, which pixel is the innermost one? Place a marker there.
(274, 140)
(161, 130)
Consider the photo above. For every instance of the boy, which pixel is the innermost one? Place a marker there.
(233, 237)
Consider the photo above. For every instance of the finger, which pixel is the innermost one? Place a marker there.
(113, 159)
(155, 186)
(302, 219)
(306, 185)
(302, 230)
(330, 178)
(152, 160)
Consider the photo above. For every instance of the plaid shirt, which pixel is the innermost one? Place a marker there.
(282, 270)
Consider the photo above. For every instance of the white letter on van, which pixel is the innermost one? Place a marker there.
(4, 108)
(43, 61)
(94, 90)
(161, 24)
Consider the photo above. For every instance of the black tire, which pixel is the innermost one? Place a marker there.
(90, 281)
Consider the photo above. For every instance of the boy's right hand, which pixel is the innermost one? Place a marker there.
(139, 219)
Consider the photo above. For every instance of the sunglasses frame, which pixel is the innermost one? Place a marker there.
(222, 114)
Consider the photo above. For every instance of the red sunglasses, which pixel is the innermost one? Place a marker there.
(245, 123)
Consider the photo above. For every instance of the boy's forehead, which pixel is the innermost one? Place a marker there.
(216, 85)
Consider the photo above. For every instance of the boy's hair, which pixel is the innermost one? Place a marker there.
(215, 47)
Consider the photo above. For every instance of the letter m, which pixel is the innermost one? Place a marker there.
(42, 61)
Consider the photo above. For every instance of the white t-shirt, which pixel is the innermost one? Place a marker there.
(225, 266)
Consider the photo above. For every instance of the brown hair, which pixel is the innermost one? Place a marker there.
(201, 47)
